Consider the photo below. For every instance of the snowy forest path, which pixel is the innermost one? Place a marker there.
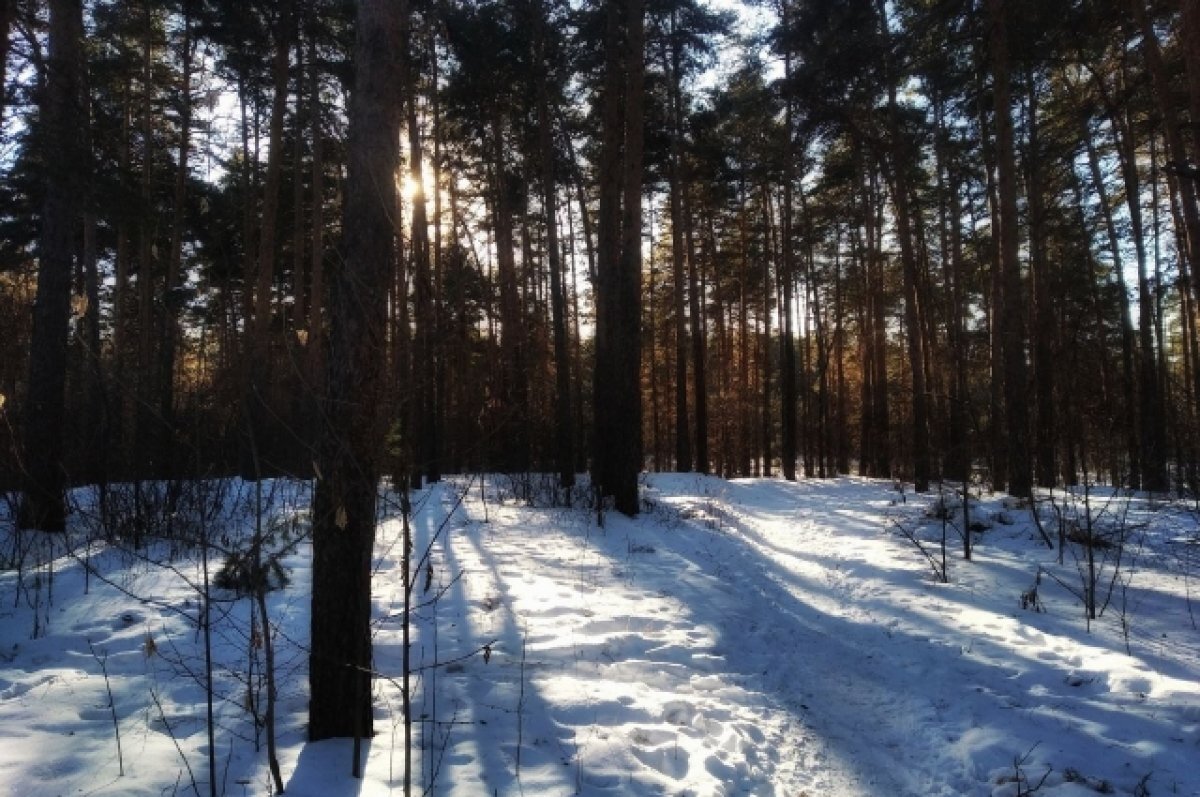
(758, 637)
(825, 636)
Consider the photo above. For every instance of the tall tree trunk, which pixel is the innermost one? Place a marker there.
(438, 349)
(1128, 380)
(683, 447)
(881, 421)
(787, 340)
(1020, 477)
(950, 244)
(122, 266)
(147, 424)
(1045, 359)
(349, 466)
(169, 332)
(514, 392)
(259, 413)
(745, 403)
(997, 444)
(421, 382)
(696, 303)
(563, 431)
(842, 439)
(265, 275)
(1150, 414)
(316, 287)
(898, 160)
(63, 117)
(618, 443)
(768, 250)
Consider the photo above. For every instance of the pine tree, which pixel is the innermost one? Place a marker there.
(64, 161)
(349, 466)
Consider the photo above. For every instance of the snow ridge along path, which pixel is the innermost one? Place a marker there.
(752, 637)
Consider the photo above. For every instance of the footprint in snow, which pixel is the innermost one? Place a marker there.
(670, 760)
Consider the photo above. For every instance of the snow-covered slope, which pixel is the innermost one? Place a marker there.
(748, 637)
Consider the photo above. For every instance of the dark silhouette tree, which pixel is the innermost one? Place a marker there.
(64, 161)
(617, 446)
(349, 462)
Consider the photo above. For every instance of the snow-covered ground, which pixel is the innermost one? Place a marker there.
(748, 637)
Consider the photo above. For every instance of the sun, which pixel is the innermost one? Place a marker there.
(409, 186)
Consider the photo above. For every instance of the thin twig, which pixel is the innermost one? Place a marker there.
(112, 705)
(163, 716)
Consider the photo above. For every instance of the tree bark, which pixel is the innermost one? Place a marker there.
(350, 452)
(563, 431)
(265, 275)
(169, 332)
(618, 411)
(1020, 477)
(683, 447)
(421, 384)
(696, 302)
(1045, 361)
(43, 506)
(316, 287)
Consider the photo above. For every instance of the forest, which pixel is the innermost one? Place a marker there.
(907, 240)
(370, 255)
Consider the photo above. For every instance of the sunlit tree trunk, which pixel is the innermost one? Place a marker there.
(421, 379)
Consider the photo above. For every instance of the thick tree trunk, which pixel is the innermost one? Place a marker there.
(350, 453)
(63, 117)
(618, 441)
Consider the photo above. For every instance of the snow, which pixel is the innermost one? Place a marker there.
(753, 637)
